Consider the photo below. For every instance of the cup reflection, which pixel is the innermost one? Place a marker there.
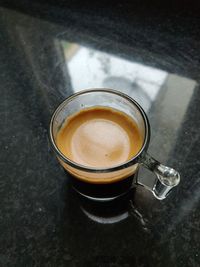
(108, 212)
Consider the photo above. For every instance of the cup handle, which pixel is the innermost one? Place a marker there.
(166, 177)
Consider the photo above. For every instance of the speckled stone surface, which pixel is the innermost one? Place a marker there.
(42, 48)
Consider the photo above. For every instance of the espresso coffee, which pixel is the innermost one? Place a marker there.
(99, 137)
(102, 148)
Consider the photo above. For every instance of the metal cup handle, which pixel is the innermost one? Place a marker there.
(166, 177)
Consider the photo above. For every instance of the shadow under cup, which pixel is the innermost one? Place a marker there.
(108, 183)
(101, 183)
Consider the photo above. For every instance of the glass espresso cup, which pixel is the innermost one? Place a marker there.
(111, 182)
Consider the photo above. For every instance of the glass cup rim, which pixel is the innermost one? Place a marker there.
(123, 165)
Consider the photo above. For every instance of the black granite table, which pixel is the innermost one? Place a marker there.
(49, 51)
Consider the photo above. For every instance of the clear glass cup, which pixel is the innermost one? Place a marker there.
(109, 183)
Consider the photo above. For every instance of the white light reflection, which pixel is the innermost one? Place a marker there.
(90, 68)
(106, 220)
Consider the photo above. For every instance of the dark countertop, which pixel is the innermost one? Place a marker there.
(50, 51)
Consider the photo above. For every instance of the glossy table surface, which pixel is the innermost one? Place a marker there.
(47, 54)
